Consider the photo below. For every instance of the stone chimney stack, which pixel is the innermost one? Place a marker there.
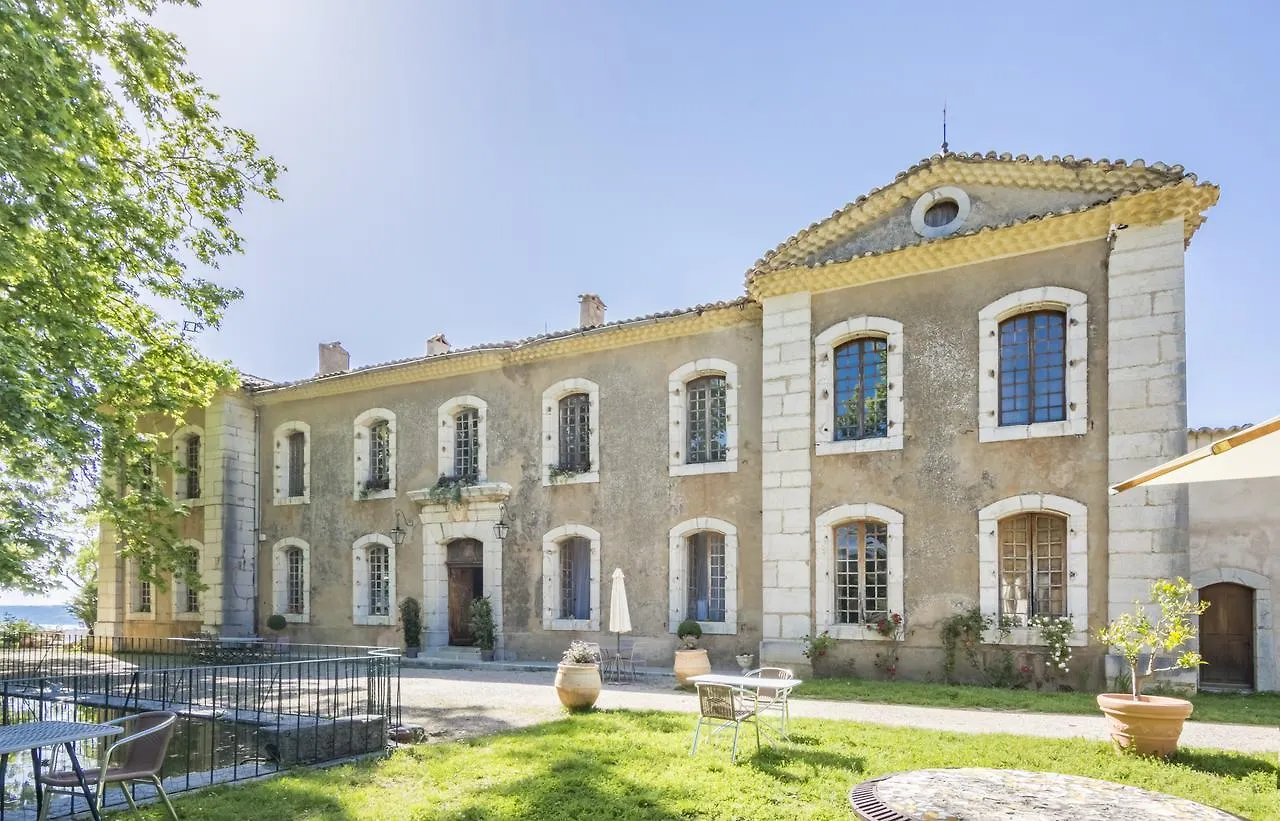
(333, 358)
(591, 311)
(437, 344)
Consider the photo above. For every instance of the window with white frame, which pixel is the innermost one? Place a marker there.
(188, 459)
(858, 569)
(186, 596)
(1033, 365)
(463, 425)
(291, 579)
(570, 432)
(571, 578)
(373, 580)
(703, 417)
(1033, 561)
(375, 454)
(703, 568)
(292, 463)
(858, 387)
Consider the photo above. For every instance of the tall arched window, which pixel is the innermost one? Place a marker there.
(861, 572)
(706, 575)
(575, 433)
(862, 389)
(708, 423)
(188, 457)
(379, 456)
(295, 599)
(373, 580)
(575, 578)
(291, 579)
(703, 575)
(291, 469)
(703, 417)
(375, 452)
(1033, 566)
(570, 432)
(379, 563)
(186, 596)
(1033, 368)
(466, 443)
(858, 569)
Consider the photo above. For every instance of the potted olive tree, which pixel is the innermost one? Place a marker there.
(411, 622)
(1151, 725)
(692, 660)
(578, 676)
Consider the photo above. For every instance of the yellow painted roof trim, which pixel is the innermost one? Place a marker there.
(441, 366)
(1187, 200)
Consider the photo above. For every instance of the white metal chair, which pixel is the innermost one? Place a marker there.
(720, 703)
(144, 753)
(773, 699)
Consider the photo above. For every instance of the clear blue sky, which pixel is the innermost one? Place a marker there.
(471, 167)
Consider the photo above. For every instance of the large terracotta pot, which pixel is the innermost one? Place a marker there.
(690, 663)
(1149, 726)
(577, 685)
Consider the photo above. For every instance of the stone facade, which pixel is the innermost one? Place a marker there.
(1100, 246)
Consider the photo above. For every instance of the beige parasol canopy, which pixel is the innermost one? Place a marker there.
(1252, 453)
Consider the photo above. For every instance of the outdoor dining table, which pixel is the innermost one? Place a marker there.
(14, 738)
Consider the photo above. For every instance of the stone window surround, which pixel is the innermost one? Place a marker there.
(280, 463)
(131, 585)
(678, 570)
(360, 578)
(445, 415)
(1264, 653)
(360, 437)
(1049, 297)
(678, 415)
(940, 194)
(824, 347)
(825, 567)
(551, 579)
(1077, 555)
(280, 580)
(551, 430)
(179, 440)
(180, 587)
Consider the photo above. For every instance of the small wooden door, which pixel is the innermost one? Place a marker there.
(1226, 635)
(465, 563)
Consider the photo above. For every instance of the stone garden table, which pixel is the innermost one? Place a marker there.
(983, 794)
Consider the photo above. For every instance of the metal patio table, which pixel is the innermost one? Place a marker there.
(15, 738)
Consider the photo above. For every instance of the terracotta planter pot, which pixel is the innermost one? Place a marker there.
(690, 663)
(577, 685)
(1149, 726)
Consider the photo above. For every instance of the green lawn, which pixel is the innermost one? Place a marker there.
(635, 765)
(1260, 708)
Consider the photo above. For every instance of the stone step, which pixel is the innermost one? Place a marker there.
(454, 653)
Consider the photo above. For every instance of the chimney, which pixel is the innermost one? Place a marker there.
(437, 344)
(333, 358)
(591, 311)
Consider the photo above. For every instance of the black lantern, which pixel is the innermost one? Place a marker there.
(401, 529)
(500, 527)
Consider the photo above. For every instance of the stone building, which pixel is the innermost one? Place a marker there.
(915, 408)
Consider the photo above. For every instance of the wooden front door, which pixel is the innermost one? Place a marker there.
(1226, 635)
(466, 582)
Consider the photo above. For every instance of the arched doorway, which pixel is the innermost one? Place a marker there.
(465, 561)
(1226, 635)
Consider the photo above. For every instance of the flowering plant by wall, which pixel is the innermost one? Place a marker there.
(1055, 632)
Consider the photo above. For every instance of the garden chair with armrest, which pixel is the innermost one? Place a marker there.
(727, 706)
(144, 754)
(771, 699)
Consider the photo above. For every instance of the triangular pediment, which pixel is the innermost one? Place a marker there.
(989, 192)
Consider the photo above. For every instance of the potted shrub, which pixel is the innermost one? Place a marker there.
(277, 622)
(744, 661)
(483, 631)
(411, 622)
(1151, 725)
(578, 677)
(816, 649)
(691, 661)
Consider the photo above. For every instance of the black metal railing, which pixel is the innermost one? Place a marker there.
(245, 709)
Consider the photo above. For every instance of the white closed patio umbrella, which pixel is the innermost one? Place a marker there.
(619, 615)
(1252, 453)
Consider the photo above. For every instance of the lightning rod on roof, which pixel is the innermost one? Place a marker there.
(944, 126)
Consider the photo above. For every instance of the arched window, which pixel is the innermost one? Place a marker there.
(1033, 368)
(1033, 365)
(297, 481)
(703, 417)
(858, 569)
(570, 432)
(379, 581)
(463, 426)
(862, 389)
(466, 443)
(571, 578)
(575, 433)
(373, 580)
(186, 596)
(292, 467)
(703, 568)
(1033, 566)
(291, 579)
(858, 386)
(375, 454)
(862, 572)
(188, 457)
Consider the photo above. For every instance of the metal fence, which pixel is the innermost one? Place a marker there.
(246, 709)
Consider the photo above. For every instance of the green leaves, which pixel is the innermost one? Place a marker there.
(1135, 634)
(116, 174)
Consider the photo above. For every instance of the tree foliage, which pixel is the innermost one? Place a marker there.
(83, 575)
(116, 173)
